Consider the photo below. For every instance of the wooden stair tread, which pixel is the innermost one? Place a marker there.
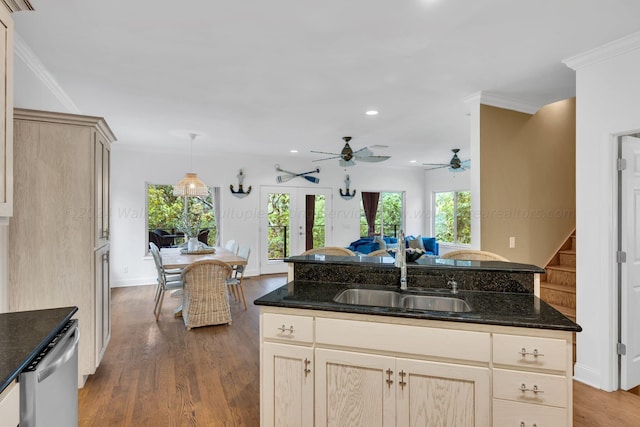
(568, 251)
(558, 287)
(562, 267)
(569, 312)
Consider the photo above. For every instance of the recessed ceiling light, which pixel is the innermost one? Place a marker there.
(293, 151)
(412, 161)
(371, 113)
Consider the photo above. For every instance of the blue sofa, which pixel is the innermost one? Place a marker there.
(366, 245)
(430, 244)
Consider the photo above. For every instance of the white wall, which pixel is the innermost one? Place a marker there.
(608, 94)
(438, 180)
(131, 170)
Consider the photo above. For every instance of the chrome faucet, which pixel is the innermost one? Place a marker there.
(401, 261)
(454, 286)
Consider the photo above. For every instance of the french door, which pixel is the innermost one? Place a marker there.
(294, 219)
(630, 270)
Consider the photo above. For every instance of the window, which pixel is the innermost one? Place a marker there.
(164, 211)
(388, 214)
(452, 220)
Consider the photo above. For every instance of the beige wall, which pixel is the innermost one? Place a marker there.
(527, 180)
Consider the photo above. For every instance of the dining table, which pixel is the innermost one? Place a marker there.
(175, 258)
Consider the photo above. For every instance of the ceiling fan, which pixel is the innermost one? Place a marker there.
(348, 157)
(454, 165)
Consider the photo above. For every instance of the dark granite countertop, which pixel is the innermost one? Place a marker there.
(24, 334)
(424, 261)
(494, 308)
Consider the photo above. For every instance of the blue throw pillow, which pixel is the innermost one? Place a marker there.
(429, 244)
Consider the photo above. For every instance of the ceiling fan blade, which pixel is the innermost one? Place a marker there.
(373, 159)
(441, 166)
(436, 164)
(326, 158)
(344, 163)
(363, 152)
(324, 152)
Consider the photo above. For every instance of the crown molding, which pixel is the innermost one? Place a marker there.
(500, 101)
(17, 5)
(28, 56)
(25, 114)
(604, 52)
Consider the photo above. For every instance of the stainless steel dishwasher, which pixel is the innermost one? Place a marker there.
(49, 385)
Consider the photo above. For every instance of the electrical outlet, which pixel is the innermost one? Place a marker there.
(512, 242)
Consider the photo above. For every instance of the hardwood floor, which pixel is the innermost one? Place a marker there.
(160, 374)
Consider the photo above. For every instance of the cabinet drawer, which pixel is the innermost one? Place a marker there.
(539, 353)
(434, 342)
(508, 385)
(512, 414)
(287, 327)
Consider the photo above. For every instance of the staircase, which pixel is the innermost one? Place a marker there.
(558, 284)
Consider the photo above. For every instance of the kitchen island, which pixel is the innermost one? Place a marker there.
(23, 335)
(506, 360)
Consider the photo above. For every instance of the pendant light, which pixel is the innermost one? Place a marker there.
(191, 185)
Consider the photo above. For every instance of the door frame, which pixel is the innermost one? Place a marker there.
(278, 266)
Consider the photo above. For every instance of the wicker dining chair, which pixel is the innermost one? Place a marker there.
(329, 250)
(474, 255)
(205, 300)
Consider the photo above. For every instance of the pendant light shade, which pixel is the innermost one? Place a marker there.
(191, 185)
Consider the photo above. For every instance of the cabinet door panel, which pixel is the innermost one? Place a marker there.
(287, 385)
(354, 389)
(442, 394)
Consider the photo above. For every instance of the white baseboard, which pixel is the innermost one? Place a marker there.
(586, 375)
(133, 282)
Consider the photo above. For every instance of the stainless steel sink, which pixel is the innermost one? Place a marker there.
(428, 302)
(380, 298)
(371, 297)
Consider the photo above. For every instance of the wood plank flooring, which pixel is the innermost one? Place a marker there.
(160, 374)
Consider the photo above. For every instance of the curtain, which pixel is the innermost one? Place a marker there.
(370, 205)
(310, 212)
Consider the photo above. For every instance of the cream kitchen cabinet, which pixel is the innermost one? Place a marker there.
(10, 405)
(531, 381)
(58, 236)
(287, 374)
(288, 370)
(388, 371)
(359, 389)
(6, 113)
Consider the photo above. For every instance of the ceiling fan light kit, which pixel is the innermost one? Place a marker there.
(454, 165)
(348, 157)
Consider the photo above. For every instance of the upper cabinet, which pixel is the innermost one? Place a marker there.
(6, 102)
(6, 113)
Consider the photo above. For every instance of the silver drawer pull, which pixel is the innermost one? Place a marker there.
(522, 424)
(524, 388)
(284, 329)
(535, 353)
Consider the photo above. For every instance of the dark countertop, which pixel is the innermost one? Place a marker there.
(423, 261)
(24, 334)
(494, 308)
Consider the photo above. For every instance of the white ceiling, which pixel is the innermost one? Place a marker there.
(266, 77)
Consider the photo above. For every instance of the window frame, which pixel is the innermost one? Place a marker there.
(454, 219)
